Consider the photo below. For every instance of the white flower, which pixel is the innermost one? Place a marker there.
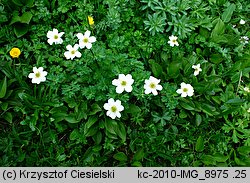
(38, 75)
(86, 39)
(123, 83)
(54, 37)
(185, 90)
(173, 41)
(242, 21)
(197, 69)
(248, 110)
(244, 39)
(247, 89)
(72, 52)
(152, 85)
(113, 108)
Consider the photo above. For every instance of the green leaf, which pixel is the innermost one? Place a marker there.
(139, 155)
(120, 156)
(17, 2)
(91, 121)
(199, 147)
(21, 29)
(235, 101)
(198, 119)
(216, 58)
(227, 14)
(156, 68)
(220, 158)
(71, 118)
(244, 150)
(95, 108)
(219, 28)
(121, 131)
(26, 17)
(174, 69)
(8, 117)
(3, 87)
(136, 164)
(187, 106)
(74, 134)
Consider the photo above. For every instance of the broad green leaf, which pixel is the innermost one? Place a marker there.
(208, 160)
(95, 108)
(199, 147)
(97, 137)
(156, 68)
(187, 106)
(91, 121)
(17, 2)
(227, 14)
(244, 150)
(235, 101)
(198, 119)
(136, 164)
(174, 69)
(74, 134)
(15, 19)
(71, 119)
(120, 156)
(21, 29)
(91, 131)
(216, 58)
(139, 155)
(219, 28)
(121, 131)
(3, 87)
(220, 158)
(8, 117)
(26, 17)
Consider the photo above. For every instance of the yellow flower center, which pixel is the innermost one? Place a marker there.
(152, 85)
(37, 75)
(123, 83)
(185, 90)
(113, 109)
(55, 36)
(15, 52)
(73, 52)
(85, 40)
(174, 41)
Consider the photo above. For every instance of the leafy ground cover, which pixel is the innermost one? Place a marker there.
(124, 83)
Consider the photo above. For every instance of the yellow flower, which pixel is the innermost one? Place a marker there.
(91, 20)
(15, 52)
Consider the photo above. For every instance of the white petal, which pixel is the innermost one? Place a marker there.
(50, 34)
(44, 73)
(106, 106)
(69, 47)
(40, 69)
(60, 34)
(111, 101)
(78, 54)
(92, 39)
(50, 41)
(128, 88)
(112, 115)
(154, 92)
(122, 77)
(118, 114)
(119, 89)
(79, 36)
(35, 70)
(120, 108)
(42, 79)
(183, 85)
(115, 82)
(184, 94)
(67, 54)
(117, 102)
(179, 91)
(88, 45)
(147, 91)
(87, 33)
(55, 31)
(158, 87)
(31, 75)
